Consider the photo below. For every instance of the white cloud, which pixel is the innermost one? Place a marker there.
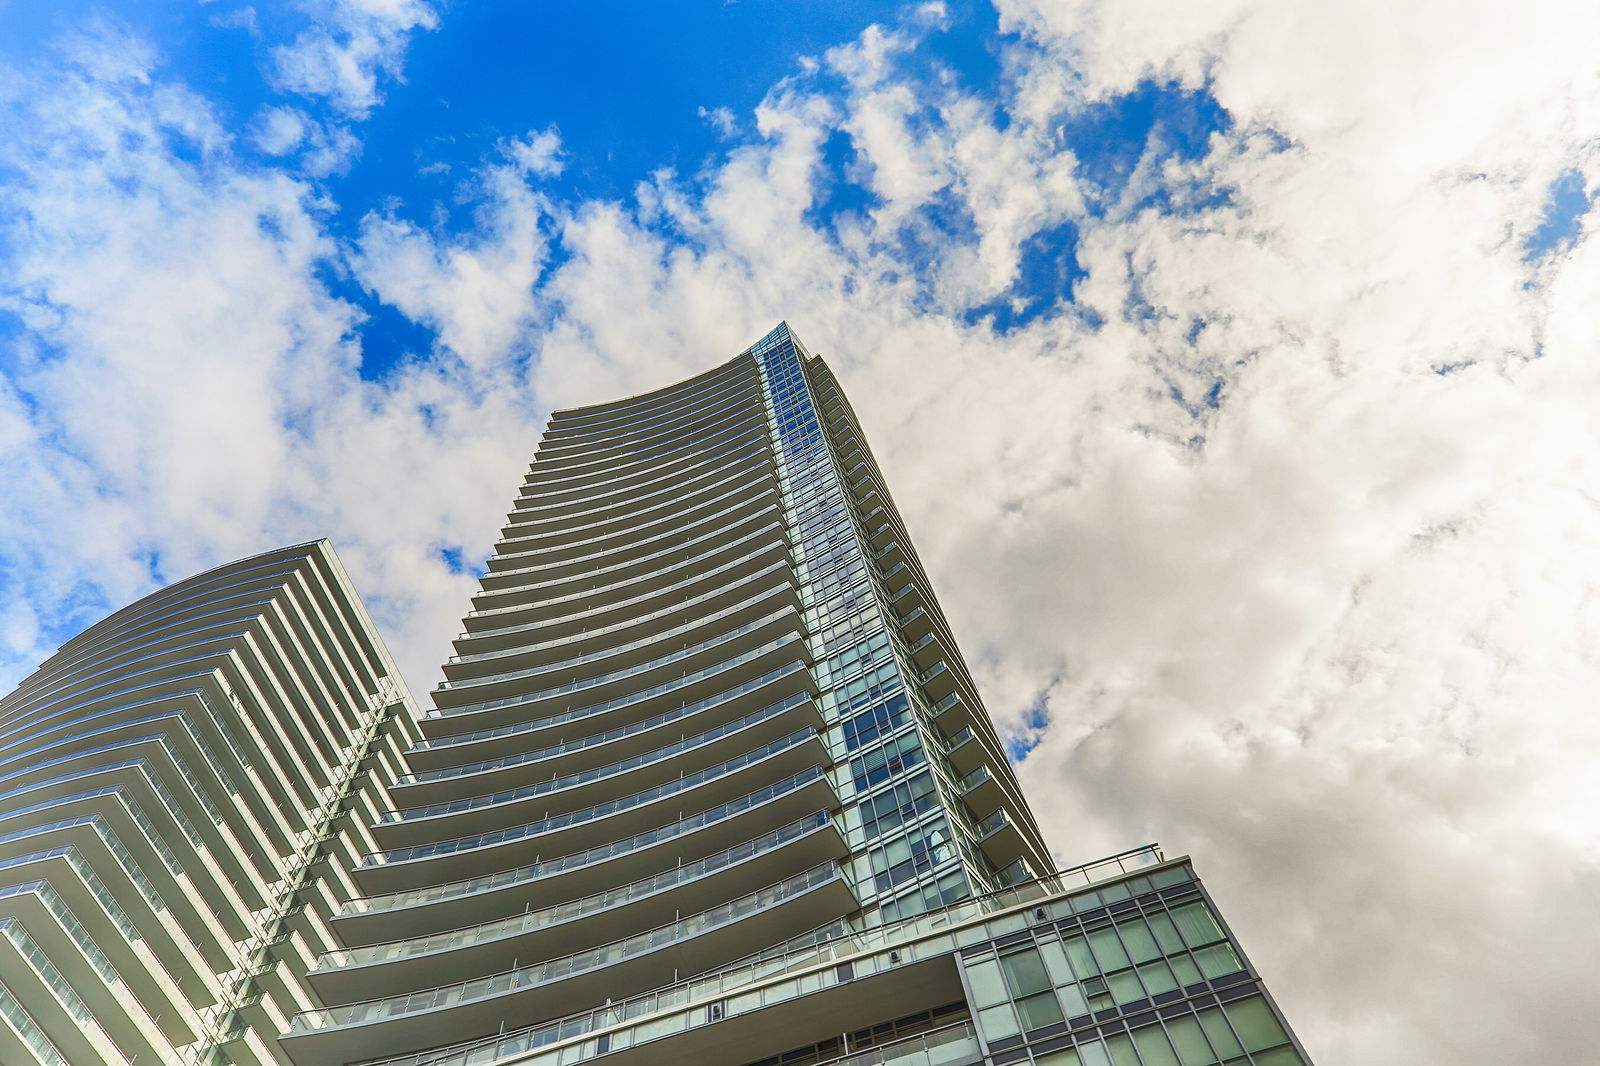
(350, 45)
(279, 130)
(476, 293)
(184, 376)
(721, 119)
(538, 154)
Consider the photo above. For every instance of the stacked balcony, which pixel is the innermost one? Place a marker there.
(177, 787)
(624, 779)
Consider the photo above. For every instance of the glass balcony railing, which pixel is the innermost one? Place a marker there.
(589, 814)
(674, 405)
(688, 603)
(568, 966)
(714, 450)
(991, 824)
(719, 407)
(736, 430)
(554, 867)
(579, 908)
(720, 449)
(973, 780)
(651, 443)
(641, 563)
(592, 709)
(587, 594)
(598, 773)
(688, 710)
(676, 501)
(959, 738)
(632, 645)
(668, 1010)
(617, 605)
(626, 540)
(954, 1045)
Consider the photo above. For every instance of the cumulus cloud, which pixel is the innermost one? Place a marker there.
(182, 374)
(475, 292)
(349, 46)
(1268, 521)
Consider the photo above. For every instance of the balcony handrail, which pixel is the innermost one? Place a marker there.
(583, 906)
(777, 961)
(474, 988)
(469, 886)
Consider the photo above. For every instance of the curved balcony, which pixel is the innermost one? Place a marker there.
(721, 484)
(645, 571)
(712, 681)
(607, 418)
(555, 447)
(561, 440)
(592, 752)
(636, 678)
(717, 450)
(490, 946)
(727, 515)
(648, 403)
(415, 911)
(634, 660)
(700, 604)
(763, 554)
(582, 464)
(762, 600)
(399, 1023)
(580, 830)
(484, 812)
(531, 521)
(511, 549)
(727, 508)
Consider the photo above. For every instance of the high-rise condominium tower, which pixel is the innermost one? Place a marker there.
(707, 782)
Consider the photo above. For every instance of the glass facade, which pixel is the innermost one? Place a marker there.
(706, 780)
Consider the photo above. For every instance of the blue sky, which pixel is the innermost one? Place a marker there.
(1231, 361)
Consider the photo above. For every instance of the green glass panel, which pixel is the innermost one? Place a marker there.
(1185, 969)
(987, 988)
(1039, 1011)
(1055, 961)
(1122, 1053)
(998, 1023)
(1125, 987)
(1088, 901)
(1094, 1054)
(1139, 941)
(1082, 960)
(1174, 875)
(1072, 1001)
(1220, 1033)
(1190, 1040)
(1283, 1056)
(1113, 893)
(1153, 1046)
(1166, 934)
(1197, 925)
(1217, 960)
(1025, 973)
(1255, 1023)
(1157, 977)
(1108, 949)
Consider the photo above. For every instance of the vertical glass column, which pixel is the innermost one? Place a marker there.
(906, 856)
